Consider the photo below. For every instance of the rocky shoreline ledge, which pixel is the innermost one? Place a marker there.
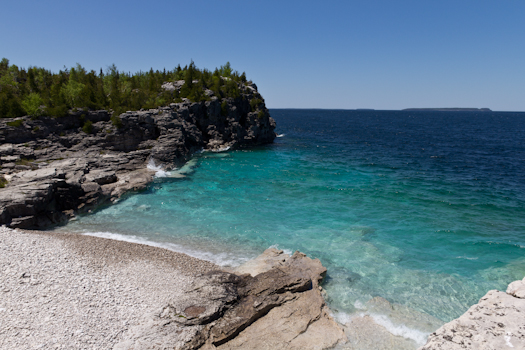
(53, 168)
(73, 291)
(496, 322)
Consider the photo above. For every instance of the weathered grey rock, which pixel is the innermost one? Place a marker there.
(496, 322)
(35, 176)
(280, 308)
(101, 176)
(71, 161)
(517, 289)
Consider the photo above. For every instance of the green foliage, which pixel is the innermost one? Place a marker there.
(231, 89)
(73, 93)
(16, 123)
(116, 121)
(254, 103)
(260, 115)
(36, 91)
(226, 70)
(25, 161)
(58, 111)
(3, 181)
(224, 108)
(32, 104)
(88, 127)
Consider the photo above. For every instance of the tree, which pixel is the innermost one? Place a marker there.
(32, 104)
(226, 70)
(38, 91)
(4, 64)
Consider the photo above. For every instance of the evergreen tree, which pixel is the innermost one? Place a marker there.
(37, 91)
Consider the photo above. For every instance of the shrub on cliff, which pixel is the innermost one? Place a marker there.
(3, 181)
(116, 121)
(224, 108)
(16, 123)
(88, 127)
(254, 103)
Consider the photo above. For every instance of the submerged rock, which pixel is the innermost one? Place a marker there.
(278, 308)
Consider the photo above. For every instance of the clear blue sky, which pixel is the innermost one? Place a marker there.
(301, 54)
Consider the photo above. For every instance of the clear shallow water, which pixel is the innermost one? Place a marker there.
(424, 209)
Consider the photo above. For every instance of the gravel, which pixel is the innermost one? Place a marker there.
(67, 291)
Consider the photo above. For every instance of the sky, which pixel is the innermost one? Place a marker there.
(380, 54)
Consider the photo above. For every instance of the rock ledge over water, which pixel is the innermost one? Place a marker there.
(496, 322)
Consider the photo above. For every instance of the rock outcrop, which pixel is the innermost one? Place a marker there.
(279, 307)
(496, 322)
(56, 167)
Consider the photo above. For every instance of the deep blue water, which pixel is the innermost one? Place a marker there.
(425, 209)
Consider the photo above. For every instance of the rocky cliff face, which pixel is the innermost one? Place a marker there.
(56, 167)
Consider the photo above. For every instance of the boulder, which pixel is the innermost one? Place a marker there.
(517, 289)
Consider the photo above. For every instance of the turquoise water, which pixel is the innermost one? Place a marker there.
(425, 209)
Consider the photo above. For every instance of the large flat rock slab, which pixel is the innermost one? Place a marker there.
(497, 322)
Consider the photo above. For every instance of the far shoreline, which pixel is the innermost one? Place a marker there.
(394, 110)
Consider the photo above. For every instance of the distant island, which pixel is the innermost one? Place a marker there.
(450, 109)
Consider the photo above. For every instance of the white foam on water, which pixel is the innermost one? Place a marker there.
(285, 251)
(465, 257)
(342, 317)
(359, 305)
(221, 149)
(398, 330)
(401, 330)
(281, 135)
(221, 259)
(159, 172)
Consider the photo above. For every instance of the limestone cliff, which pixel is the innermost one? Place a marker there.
(56, 167)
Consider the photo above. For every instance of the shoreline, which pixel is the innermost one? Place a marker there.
(222, 261)
(69, 291)
(119, 283)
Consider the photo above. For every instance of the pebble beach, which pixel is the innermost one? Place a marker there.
(69, 291)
